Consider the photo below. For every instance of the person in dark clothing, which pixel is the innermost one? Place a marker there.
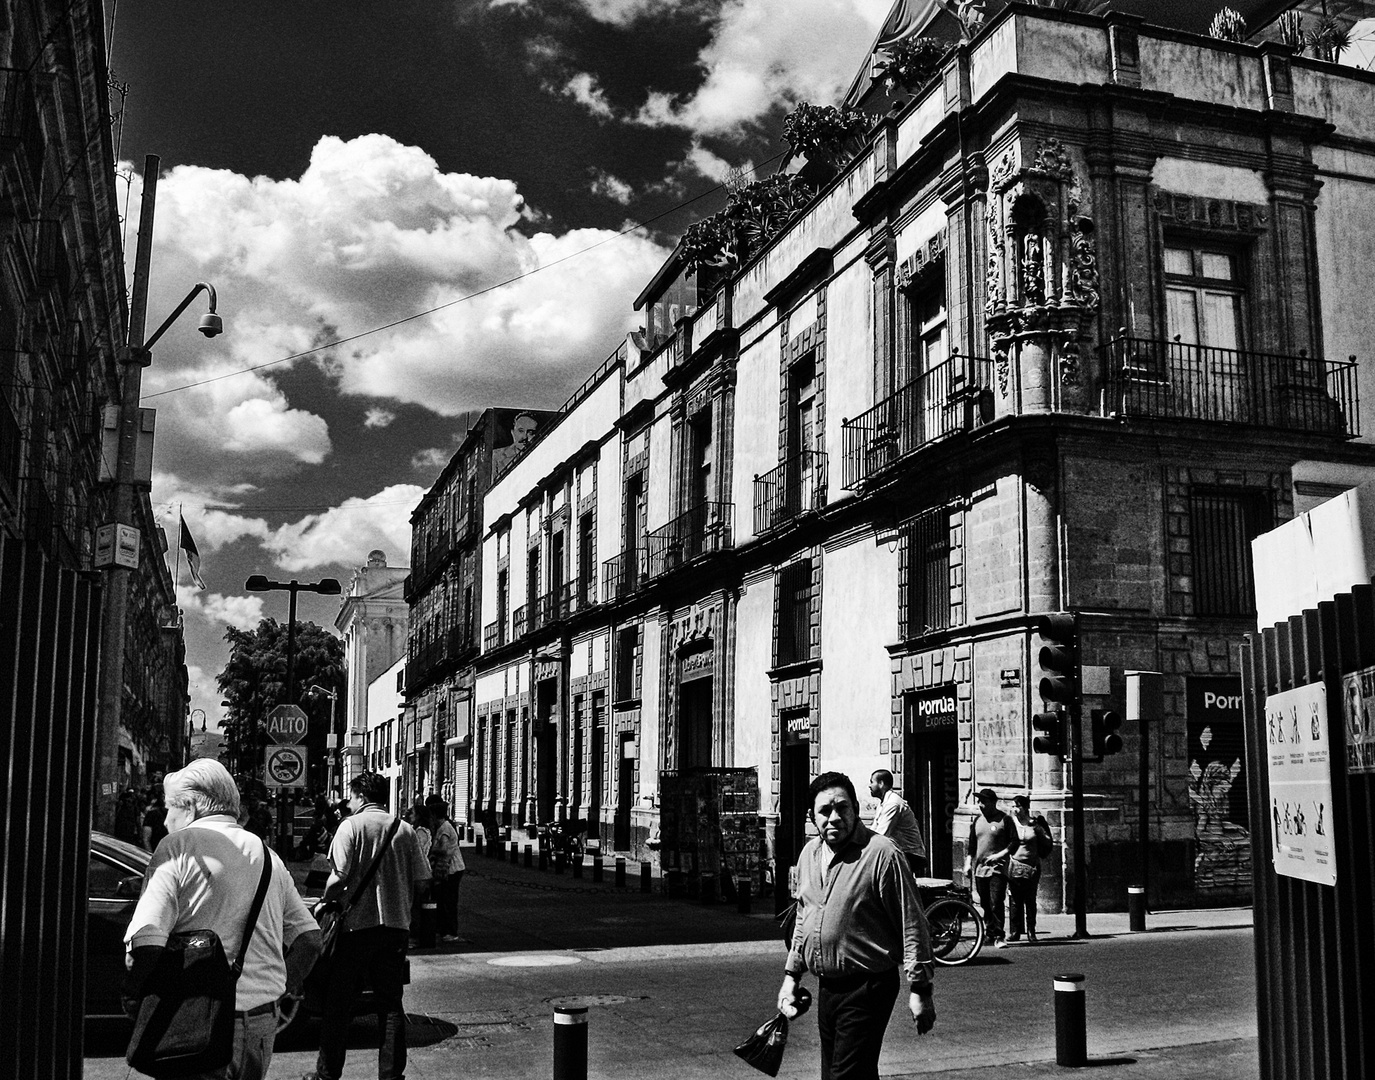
(859, 925)
(127, 823)
(154, 820)
(991, 841)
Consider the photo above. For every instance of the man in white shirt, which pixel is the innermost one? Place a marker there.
(896, 821)
(204, 875)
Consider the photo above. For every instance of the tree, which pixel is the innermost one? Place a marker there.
(254, 683)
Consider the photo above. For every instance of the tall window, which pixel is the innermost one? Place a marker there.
(1203, 297)
(627, 674)
(586, 571)
(794, 613)
(926, 577)
(1222, 523)
(930, 333)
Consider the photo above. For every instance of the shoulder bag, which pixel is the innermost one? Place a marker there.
(185, 1022)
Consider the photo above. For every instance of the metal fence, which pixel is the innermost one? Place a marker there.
(1315, 942)
(49, 640)
(794, 488)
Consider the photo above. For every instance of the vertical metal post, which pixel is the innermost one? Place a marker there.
(645, 872)
(742, 894)
(1145, 702)
(1071, 1023)
(597, 869)
(620, 873)
(1136, 907)
(1076, 783)
(529, 857)
(570, 1042)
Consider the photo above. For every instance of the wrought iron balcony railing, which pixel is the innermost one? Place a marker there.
(623, 575)
(796, 487)
(704, 529)
(494, 635)
(554, 606)
(520, 625)
(933, 406)
(1178, 381)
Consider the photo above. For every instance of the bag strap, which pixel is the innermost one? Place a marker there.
(371, 871)
(252, 923)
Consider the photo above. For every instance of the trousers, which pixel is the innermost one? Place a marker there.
(993, 899)
(253, 1040)
(851, 1016)
(375, 957)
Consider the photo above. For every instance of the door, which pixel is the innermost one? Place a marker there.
(694, 724)
(931, 788)
(625, 790)
(546, 764)
(794, 776)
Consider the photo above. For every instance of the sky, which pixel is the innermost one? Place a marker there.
(412, 211)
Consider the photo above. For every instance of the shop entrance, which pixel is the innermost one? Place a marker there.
(931, 771)
(546, 755)
(694, 724)
(794, 776)
(626, 755)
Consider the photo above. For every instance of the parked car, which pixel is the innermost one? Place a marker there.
(113, 883)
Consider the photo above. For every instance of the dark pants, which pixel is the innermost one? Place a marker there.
(445, 895)
(851, 1016)
(377, 957)
(1022, 895)
(993, 900)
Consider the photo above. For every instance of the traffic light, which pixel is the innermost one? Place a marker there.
(1050, 737)
(1106, 741)
(1059, 659)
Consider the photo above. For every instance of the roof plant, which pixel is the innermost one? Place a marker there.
(910, 65)
(825, 134)
(754, 215)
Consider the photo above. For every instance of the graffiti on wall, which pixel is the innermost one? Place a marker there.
(1217, 783)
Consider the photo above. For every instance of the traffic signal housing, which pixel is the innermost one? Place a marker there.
(1050, 732)
(1058, 659)
(1104, 724)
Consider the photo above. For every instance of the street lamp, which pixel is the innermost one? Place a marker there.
(134, 357)
(325, 587)
(333, 695)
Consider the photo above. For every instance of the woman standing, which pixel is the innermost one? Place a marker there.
(422, 912)
(446, 866)
(1034, 840)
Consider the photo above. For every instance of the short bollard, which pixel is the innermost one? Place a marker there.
(543, 859)
(742, 894)
(558, 862)
(596, 868)
(1136, 907)
(570, 1042)
(478, 844)
(645, 877)
(577, 865)
(707, 887)
(529, 856)
(1071, 1028)
(515, 852)
(620, 873)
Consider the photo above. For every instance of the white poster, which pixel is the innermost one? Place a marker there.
(1299, 764)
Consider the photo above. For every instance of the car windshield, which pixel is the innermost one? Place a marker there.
(120, 849)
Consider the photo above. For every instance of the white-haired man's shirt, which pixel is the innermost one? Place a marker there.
(204, 877)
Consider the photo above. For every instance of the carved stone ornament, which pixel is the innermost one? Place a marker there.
(1002, 366)
(1219, 214)
(1070, 374)
(1052, 159)
(1003, 171)
(1082, 269)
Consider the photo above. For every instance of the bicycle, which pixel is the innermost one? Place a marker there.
(957, 928)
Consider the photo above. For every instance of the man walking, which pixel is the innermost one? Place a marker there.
(896, 821)
(991, 840)
(204, 875)
(372, 944)
(859, 926)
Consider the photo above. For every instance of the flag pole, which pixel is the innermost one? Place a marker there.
(176, 581)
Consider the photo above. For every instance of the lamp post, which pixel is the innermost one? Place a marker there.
(134, 357)
(333, 695)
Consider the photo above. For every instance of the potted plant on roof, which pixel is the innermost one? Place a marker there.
(909, 66)
(826, 136)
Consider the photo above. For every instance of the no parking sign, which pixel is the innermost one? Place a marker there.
(286, 766)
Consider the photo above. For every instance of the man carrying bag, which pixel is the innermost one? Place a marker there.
(199, 897)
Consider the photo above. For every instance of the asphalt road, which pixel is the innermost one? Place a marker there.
(673, 987)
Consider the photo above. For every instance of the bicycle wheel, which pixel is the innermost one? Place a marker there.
(957, 931)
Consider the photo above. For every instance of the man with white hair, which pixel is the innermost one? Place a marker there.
(204, 875)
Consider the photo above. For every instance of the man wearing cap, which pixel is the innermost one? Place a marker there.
(991, 840)
(860, 929)
(896, 821)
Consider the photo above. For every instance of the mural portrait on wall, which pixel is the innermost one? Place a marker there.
(1217, 783)
(513, 432)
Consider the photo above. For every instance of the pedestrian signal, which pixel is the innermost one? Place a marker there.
(1050, 737)
(1104, 724)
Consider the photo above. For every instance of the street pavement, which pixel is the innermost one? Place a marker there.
(672, 986)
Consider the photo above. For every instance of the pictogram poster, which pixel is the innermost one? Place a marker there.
(1299, 765)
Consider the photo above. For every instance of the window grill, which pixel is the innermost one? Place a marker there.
(1222, 525)
(794, 613)
(926, 581)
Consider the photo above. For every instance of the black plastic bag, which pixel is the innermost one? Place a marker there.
(764, 1049)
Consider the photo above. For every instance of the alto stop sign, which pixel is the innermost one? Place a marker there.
(286, 766)
(287, 724)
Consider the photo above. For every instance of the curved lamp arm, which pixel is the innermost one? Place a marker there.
(200, 286)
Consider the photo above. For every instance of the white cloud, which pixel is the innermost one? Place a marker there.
(612, 187)
(335, 537)
(379, 418)
(371, 233)
(583, 89)
(431, 459)
(243, 612)
(211, 529)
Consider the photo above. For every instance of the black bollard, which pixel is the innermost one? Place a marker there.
(478, 843)
(570, 1042)
(620, 873)
(529, 857)
(742, 894)
(543, 859)
(1136, 907)
(645, 880)
(707, 886)
(577, 865)
(1071, 1025)
(558, 861)
(596, 868)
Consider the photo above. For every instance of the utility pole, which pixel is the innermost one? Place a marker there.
(116, 607)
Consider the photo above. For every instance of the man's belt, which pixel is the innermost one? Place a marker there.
(258, 1010)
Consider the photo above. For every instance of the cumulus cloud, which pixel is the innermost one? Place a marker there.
(211, 526)
(372, 232)
(335, 537)
(243, 612)
(379, 418)
(583, 89)
(613, 188)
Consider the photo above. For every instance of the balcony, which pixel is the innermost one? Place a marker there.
(460, 641)
(796, 487)
(554, 606)
(933, 406)
(1173, 380)
(704, 529)
(520, 622)
(494, 635)
(623, 575)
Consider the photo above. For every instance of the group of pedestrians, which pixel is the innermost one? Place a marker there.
(438, 840)
(1003, 857)
(204, 874)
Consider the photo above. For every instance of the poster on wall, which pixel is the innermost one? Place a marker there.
(1298, 763)
(1217, 783)
(513, 433)
(1358, 713)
